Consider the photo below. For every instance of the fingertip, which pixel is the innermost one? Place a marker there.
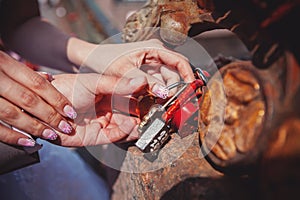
(26, 142)
(187, 75)
(135, 133)
(160, 91)
(65, 127)
(190, 79)
(70, 112)
(49, 134)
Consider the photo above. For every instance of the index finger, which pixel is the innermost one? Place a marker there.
(172, 59)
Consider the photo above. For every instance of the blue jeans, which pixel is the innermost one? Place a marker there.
(60, 175)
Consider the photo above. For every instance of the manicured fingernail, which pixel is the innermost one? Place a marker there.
(70, 112)
(49, 134)
(137, 81)
(26, 142)
(65, 127)
(160, 91)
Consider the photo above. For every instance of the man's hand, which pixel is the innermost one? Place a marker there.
(150, 58)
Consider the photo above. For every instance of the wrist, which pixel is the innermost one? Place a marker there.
(78, 50)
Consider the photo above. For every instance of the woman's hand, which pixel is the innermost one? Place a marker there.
(30, 103)
(149, 58)
(91, 96)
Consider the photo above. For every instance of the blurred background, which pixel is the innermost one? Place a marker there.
(97, 20)
(92, 20)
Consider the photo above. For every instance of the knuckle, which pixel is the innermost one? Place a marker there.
(8, 136)
(38, 82)
(52, 117)
(36, 128)
(9, 112)
(28, 98)
(60, 100)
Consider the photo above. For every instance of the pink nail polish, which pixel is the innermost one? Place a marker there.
(160, 91)
(65, 127)
(49, 134)
(26, 142)
(70, 112)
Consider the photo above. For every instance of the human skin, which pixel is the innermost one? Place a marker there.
(24, 94)
(164, 67)
(96, 122)
(148, 58)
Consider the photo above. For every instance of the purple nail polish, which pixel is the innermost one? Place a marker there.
(70, 112)
(26, 142)
(65, 127)
(49, 134)
(160, 91)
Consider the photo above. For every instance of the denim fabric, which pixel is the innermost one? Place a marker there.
(60, 175)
